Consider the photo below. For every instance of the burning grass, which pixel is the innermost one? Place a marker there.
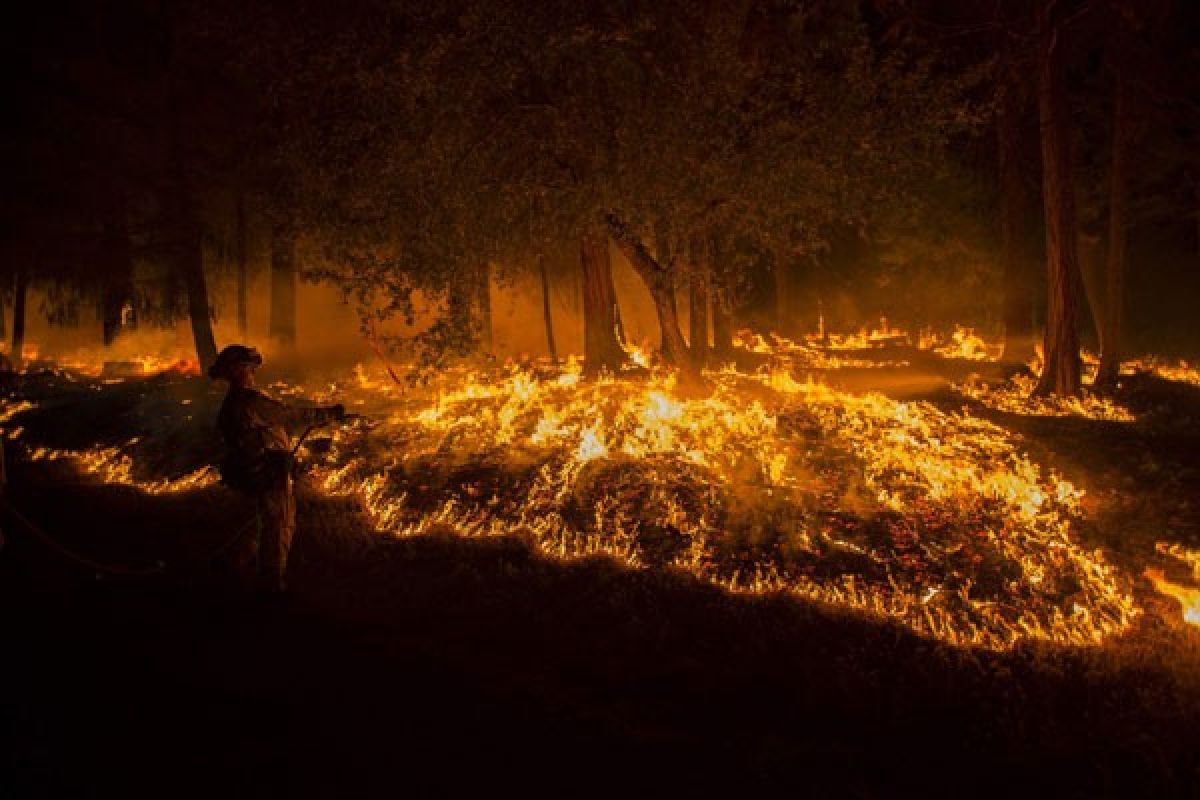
(772, 482)
(765, 485)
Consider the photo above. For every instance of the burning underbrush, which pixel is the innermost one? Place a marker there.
(772, 481)
(767, 484)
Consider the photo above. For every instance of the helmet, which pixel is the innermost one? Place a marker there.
(232, 356)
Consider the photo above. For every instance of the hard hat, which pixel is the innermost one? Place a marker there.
(232, 356)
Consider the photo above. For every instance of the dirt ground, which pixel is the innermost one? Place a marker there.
(441, 666)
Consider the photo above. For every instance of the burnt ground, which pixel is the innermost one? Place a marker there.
(441, 666)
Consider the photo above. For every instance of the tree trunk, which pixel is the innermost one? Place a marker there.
(192, 265)
(189, 266)
(1089, 252)
(547, 317)
(659, 282)
(282, 324)
(3, 319)
(600, 346)
(1061, 373)
(1111, 337)
(674, 347)
(698, 315)
(18, 327)
(1018, 293)
(483, 305)
(117, 292)
(722, 325)
(188, 244)
(242, 278)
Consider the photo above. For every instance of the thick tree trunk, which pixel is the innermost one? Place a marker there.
(601, 348)
(547, 317)
(282, 324)
(659, 282)
(117, 293)
(698, 316)
(1061, 373)
(1111, 337)
(242, 277)
(18, 328)
(483, 305)
(1018, 293)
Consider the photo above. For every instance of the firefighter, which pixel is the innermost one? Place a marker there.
(259, 462)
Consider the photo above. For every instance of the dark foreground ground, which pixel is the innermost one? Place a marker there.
(441, 666)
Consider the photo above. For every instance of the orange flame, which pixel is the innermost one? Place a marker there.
(1188, 597)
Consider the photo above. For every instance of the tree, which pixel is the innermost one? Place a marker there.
(601, 347)
(1061, 374)
(20, 290)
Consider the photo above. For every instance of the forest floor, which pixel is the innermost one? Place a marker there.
(439, 665)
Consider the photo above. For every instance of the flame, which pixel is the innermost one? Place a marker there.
(1016, 396)
(1188, 597)
(964, 343)
(770, 483)
(111, 465)
(114, 364)
(907, 459)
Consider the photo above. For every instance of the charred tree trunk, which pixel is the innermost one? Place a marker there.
(601, 348)
(1018, 293)
(1061, 373)
(18, 329)
(242, 277)
(547, 317)
(282, 324)
(659, 281)
(698, 313)
(483, 305)
(1111, 337)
